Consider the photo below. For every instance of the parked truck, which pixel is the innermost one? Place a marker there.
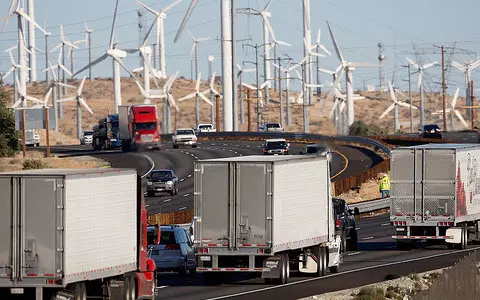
(264, 214)
(69, 234)
(435, 194)
(105, 134)
(138, 127)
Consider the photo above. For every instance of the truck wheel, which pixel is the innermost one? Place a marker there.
(343, 243)
(194, 146)
(133, 288)
(150, 194)
(352, 244)
(283, 270)
(322, 261)
(175, 146)
(464, 239)
(79, 291)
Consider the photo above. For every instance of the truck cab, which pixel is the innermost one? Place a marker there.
(138, 127)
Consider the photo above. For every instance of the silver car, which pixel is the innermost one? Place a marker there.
(174, 251)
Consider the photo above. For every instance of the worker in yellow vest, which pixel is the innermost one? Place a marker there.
(384, 183)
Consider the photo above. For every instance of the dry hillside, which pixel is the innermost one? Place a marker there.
(99, 95)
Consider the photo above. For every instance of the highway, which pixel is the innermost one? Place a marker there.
(375, 259)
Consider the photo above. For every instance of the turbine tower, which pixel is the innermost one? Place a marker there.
(31, 42)
(381, 67)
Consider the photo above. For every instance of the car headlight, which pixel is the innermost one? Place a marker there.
(149, 183)
(169, 182)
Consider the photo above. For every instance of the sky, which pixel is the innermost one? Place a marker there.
(405, 28)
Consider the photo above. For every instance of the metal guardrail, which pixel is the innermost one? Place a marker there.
(372, 205)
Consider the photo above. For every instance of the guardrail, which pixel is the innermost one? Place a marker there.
(340, 186)
(372, 205)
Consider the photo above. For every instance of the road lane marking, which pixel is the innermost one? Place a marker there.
(151, 162)
(189, 175)
(386, 224)
(367, 238)
(182, 179)
(186, 195)
(346, 164)
(167, 200)
(182, 208)
(354, 253)
(343, 272)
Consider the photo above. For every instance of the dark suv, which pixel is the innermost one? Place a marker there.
(162, 181)
(345, 224)
(430, 131)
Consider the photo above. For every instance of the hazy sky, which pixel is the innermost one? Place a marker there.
(358, 25)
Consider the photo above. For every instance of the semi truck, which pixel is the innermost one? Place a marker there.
(265, 215)
(73, 234)
(435, 194)
(138, 127)
(105, 134)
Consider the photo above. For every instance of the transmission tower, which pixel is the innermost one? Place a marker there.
(141, 29)
(381, 68)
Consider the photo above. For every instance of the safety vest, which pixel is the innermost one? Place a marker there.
(384, 184)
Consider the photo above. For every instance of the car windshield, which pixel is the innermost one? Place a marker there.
(276, 145)
(273, 125)
(205, 126)
(88, 133)
(144, 126)
(338, 207)
(161, 174)
(431, 127)
(167, 237)
(186, 131)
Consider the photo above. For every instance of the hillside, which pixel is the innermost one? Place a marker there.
(99, 95)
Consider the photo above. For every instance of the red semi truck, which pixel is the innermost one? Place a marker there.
(73, 234)
(138, 127)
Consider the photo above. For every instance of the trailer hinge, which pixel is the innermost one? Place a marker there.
(196, 193)
(197, 170)
(269, 171)
(60, 207)
(59, 185)
(269, 194)
(60, 228)
(269, 218)
(60, 250)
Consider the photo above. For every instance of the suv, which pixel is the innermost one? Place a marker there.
(345, 224)
(184, 136)
(317, 149)
(162, 181)
(276, 146)
(430, 131)
(87, 137)
(174, 252)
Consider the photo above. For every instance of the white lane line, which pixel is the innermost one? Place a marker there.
(386, 224)
(354, 253)
(167, 200)
(189, 175)
(358, 228)
(367, 238)
(182, 208)
(152, 165)
(162, 287)
(147, 205)
(186, 195)
(343, 272)
(182, 179)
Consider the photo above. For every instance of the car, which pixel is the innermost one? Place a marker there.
(345, 225)
(174, 251)
(184, 136)
(276, 146)
(273, 127)
(87, 137)
(206, 128)
(318, 149)
(162, 181)
(430, 131)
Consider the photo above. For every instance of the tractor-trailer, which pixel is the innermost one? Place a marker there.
(138, 127)
(265, 214)
(69, 234)
(435, 193)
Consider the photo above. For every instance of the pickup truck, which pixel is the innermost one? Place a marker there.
(32, 138)
(273, 127)
(206, 128)
(184, 136)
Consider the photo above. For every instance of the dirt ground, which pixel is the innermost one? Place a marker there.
(99, 95)
(36, 159)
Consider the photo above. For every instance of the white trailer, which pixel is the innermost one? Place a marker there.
(435, 193)
(69, 234)
(264, 214)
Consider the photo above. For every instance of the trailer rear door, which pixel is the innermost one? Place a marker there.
(6, 226)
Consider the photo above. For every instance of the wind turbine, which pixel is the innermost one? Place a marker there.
(88, 43)
(319, 46)
(160, 39)
(21, 17)
(348, 67)
(394, 106)
(80, 102)
(242, 102)
(211, 89)
(195, 51)
(452, 111)
(197, 94)
(287, 96)
(467, 67)
(258, 89)
(70, 54)
(117, 55)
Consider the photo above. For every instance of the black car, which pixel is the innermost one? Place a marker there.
(430, 131)
(345, 224)
(162, 181)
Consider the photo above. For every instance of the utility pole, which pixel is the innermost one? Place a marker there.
(234, 68)
(410, 96)
(217, 113)
(472, 98)
(197, 109)
(443, 93)
(282, 116)
(249, 112)
(211, 58)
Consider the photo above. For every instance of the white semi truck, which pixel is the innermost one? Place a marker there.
(435, 194)
(264, 214)
(73, 234)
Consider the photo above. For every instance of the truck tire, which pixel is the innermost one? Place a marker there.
(175, 146)
(284, 270)
(352, 244)
(79, 291)
(464, 240)
(194, 146)
(133, 288)
(322, 261)
(343, 243)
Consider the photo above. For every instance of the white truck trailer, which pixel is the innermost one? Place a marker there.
(264, 214)
(69, 234)
(435, 193)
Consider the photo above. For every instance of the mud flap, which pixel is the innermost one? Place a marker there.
(334, 255)
(272, 267)
(456, 234)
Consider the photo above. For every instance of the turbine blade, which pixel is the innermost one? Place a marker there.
(189, 96)
(389, 109)
(84, 104)
(66, 85)
(170, 6)
(248, 86)
(112, 33)
(47, 96)
(101, 58)
(80, 88)
(335, 104)
(335, 45)
(205, 99)
(197, 86)
(148, 8)
(65, 69)
(67, 99)
(27, 17)
(430, 65)
(454, 100)
(318, 36)
(414, 64)
(325, 49)
(392, 93)
(459, 116)
(185, 20)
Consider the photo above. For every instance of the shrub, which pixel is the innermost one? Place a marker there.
(9, 143)
(360, 128)
(35, 163)
(370, 293)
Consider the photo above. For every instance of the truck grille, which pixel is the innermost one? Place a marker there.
(147, 137)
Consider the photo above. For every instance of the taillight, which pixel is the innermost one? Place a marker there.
(337, 223)
(172, 247)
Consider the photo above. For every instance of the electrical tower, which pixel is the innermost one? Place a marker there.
(381, 68)
(141, 29)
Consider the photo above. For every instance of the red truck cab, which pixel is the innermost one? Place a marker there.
(140, 127)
